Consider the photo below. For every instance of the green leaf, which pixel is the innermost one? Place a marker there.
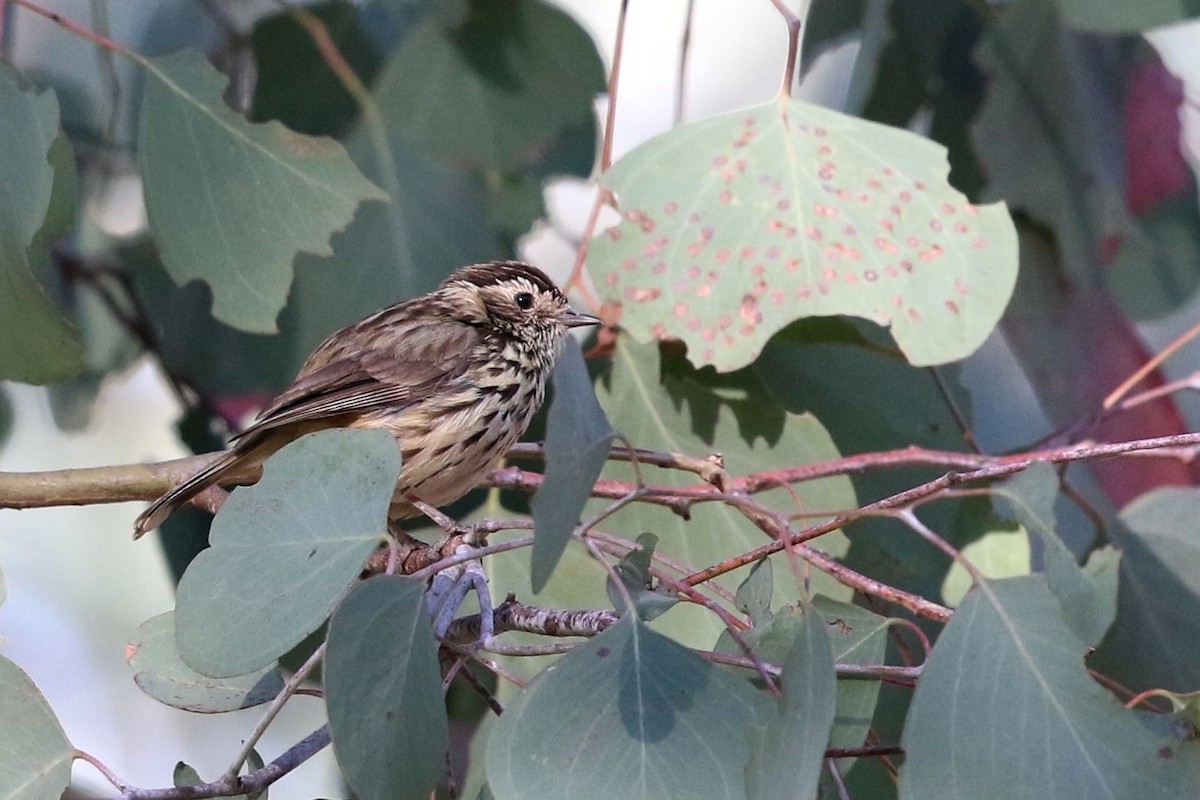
(231, 202)
(578, 438)
(185, 775)
(36, 344)
(753, 596)
(999, 554)
(856, 635)
(1088, 605)
(634, 573)
(35, 756)
(627, 714)
(216, 359)
(160, 672)
(383, 688)
(736, 226)
(283, 551)
(498, 86)
(1004, 708)
(790, 755)
(1113, 16)
(1152, 641)
(6, 417)
(295, 83)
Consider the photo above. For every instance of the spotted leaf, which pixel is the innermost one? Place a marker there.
(736, 226)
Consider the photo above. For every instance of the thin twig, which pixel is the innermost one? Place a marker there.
(614, 80)
(1116, 394)
(684, 51)
(253, 783)
(76, 28)
(289, 688)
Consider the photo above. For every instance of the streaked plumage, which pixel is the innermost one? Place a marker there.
(456, 375)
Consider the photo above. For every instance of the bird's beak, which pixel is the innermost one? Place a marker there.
(574, 319)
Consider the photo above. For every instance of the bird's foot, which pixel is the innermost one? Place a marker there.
(448, 590)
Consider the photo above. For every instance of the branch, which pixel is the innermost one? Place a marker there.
(130, 482)
(513, 616)
(252, 783)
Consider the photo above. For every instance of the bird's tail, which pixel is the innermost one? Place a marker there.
(161, 508)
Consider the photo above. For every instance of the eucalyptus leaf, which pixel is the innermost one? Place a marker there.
(578, 439)
(790, 756)
(736, 226)
(383, 688)
(634, 573)
(35, 756)
(627, 714)
(160, 672)
(285, 550)
(495, 86)
(1004, 708)
(753, 595)
(1088, 605)
(232, 203)
(1151, 644)
(36, 344)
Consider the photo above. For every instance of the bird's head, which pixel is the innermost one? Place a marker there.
(515, 300)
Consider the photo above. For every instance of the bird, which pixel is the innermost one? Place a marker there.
(455, 375)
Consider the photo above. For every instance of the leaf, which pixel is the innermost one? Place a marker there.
(578, 438)
(35, 756)
(627, 714)
(295, 83)
(1108, 17)
(1152, 641)
(36, 344)
(160, 672)
(999, 554)
(214, 358)
(383, 688)
(791, 749)
(230, 202)
(1088, 604)
(6, 417)
(634, 572)
(1004, 708)
(857, 636)
(753, 596)
(515, 74)
(736, 226)
(283, 551)
(185, 775)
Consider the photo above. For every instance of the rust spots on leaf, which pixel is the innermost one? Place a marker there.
(748, 311)
(646, 295)
(642, 220)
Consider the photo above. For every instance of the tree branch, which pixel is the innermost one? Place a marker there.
(251, 783)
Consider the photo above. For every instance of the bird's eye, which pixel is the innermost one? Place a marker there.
(524, 301)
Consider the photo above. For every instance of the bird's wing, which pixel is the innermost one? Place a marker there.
(370, 370)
